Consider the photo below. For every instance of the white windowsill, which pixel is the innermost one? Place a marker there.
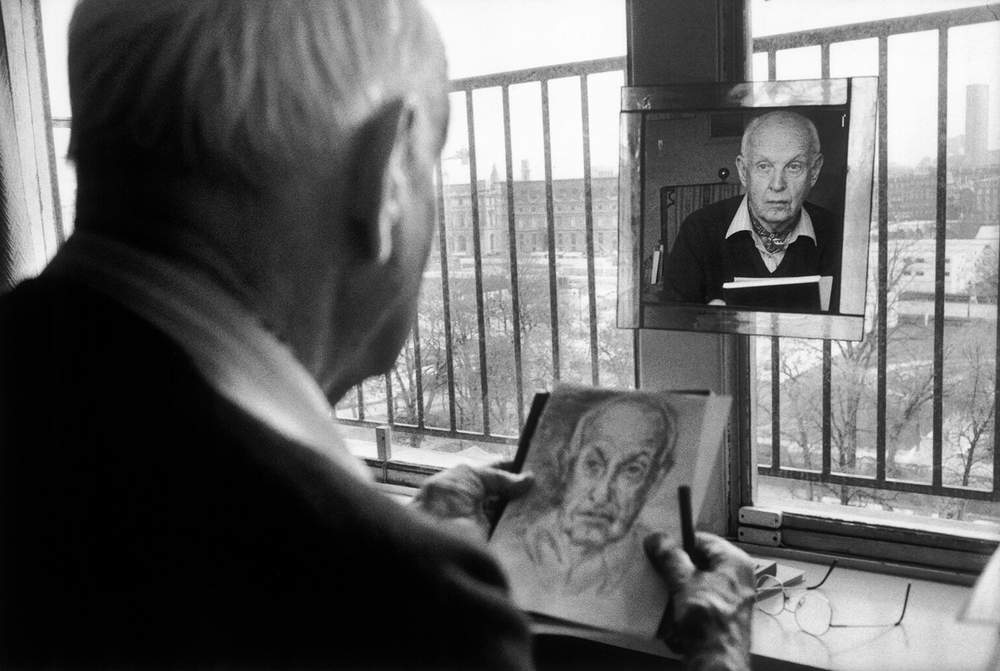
(931, 636)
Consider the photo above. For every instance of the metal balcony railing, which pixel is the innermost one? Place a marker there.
(467, 212)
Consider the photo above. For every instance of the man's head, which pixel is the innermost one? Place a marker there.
(618, 454)
(779, 162)
(292, 141)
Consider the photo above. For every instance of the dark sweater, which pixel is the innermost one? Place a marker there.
(147, 521)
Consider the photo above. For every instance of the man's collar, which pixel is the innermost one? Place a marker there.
(741, 222)
(237, 356)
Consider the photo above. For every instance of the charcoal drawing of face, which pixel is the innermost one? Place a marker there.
(619, 452)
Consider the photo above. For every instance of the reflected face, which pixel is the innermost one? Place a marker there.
(619, 459)
(777, 169)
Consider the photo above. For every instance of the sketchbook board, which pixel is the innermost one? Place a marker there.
(607, 466)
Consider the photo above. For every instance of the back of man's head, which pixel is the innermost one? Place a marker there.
(237, 92)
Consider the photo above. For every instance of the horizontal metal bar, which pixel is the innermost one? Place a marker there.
(823, 557)
(434, 433)
(871, 483)
(806, 92)
(883, 27)
(395, 473)
(869, 29)
(906, 533)
(967, 562)
(580, 68)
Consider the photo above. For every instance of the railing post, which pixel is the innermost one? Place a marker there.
(383, 447)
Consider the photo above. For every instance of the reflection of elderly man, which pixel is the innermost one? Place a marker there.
(771, 231)
(618, 454)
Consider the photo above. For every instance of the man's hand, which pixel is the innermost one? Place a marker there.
(465, 494)
(711, 601)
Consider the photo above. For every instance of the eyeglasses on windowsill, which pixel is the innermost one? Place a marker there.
(812, 610)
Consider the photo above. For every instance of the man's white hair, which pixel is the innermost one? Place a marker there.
(241, 90)
(786, 119)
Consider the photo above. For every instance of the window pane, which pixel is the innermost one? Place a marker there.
(801, 63)
(546, 305)
(920, 419)
(769, 17)
(55, 16)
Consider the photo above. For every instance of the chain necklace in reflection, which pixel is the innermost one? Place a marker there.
(773, 242)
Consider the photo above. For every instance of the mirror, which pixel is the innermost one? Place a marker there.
(745, 208)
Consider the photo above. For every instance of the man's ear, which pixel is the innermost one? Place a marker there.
(816, 167)
(383, 154)
(741, 169)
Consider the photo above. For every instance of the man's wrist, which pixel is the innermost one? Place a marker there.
(725, 649)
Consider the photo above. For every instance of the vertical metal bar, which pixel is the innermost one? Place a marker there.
(361, 402)
(477, 255)
(446, 297)
(881, 318)
(824, 60)
(390, 406)
(827, 402)
(742, 462)
(772, 75)
(515, 290)
(775, 405)
(939, 256)
(418, 372)
(551, 229)
(60, 228)
(383, 448)
(996, 396)
(588, 216)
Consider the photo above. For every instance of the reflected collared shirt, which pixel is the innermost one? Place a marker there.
(741, 222)
(237, 356)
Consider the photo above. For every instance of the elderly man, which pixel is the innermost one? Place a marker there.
(772, 231)
(254, 212)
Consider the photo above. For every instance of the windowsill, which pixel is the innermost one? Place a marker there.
(361, 442)
(979, 530)
(930, 637)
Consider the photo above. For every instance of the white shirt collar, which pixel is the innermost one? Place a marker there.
(741, 222)
(239, 358)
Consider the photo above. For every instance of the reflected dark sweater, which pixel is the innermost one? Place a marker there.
(702, 258)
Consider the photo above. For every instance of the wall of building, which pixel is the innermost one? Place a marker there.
(677, 41)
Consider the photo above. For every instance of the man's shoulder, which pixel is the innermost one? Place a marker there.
(820, 215)
(719, 211)
(712, 220)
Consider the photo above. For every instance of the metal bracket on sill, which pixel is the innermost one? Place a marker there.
(771, 537)
(760, 517)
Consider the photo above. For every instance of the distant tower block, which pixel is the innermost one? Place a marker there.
(525, 170)
(977, 114)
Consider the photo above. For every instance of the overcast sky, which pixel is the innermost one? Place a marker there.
(487, 36)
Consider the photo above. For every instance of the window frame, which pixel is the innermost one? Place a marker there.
(937, 550)
(957, 554)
